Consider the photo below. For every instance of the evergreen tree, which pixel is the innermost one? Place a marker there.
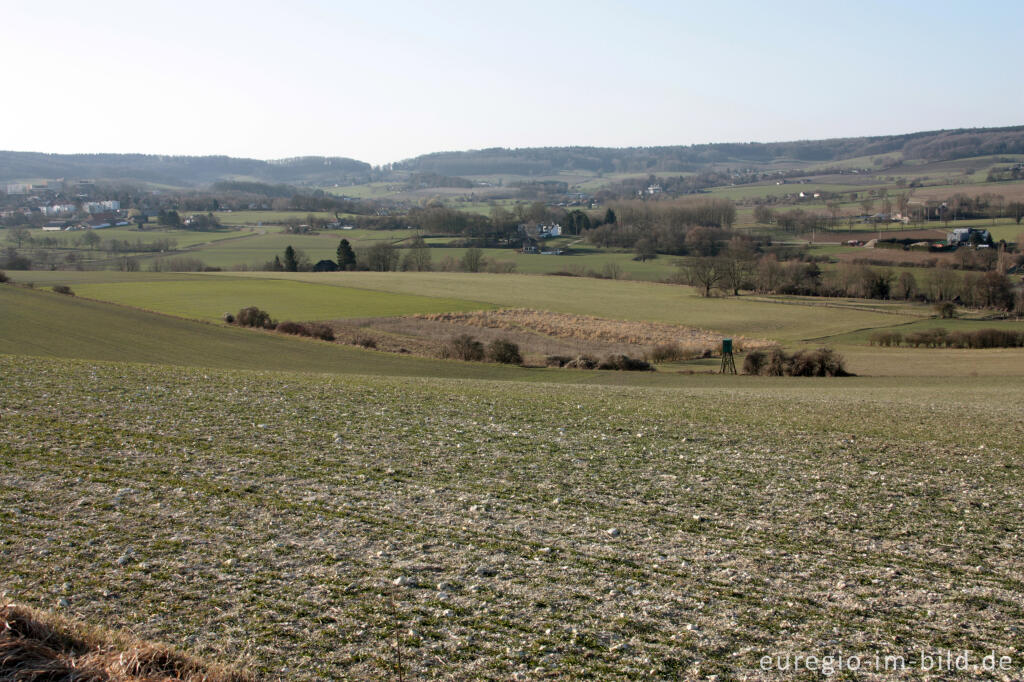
(291, 263)
(346, 256)
(609, 217)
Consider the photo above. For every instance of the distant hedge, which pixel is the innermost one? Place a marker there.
(941, 337)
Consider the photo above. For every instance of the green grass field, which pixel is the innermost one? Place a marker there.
(39, 323)
(258, 249)
(619, 299)
(863, 336)
(209, 299)
(265, 218)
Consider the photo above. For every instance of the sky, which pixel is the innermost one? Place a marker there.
(386, 81)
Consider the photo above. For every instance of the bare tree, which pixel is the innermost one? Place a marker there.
(704, 273)
(473, 259)
(19, 235)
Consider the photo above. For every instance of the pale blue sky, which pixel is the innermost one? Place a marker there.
(387, 81)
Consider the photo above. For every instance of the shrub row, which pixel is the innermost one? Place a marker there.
(615, 361)
(316, 330)
(465, 347)
(939, 337)
(805, 363)
(260, 319)
(886, 339)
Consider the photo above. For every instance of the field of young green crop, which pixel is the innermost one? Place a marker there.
(266, 218)
(259, 249)
(622, 299)
(209, 298)
(315, 527)
(582, 259)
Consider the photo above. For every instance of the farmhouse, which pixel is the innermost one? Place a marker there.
(549, 231)
(962, 236)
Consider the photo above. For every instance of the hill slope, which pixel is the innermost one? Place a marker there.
(178, 170)
(312, 170)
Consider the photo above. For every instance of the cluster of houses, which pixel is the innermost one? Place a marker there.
(94, 222)
(533, 234)
(90, 207)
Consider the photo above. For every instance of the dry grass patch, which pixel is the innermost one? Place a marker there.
(37, 645)
(539, 335)
(588, 329)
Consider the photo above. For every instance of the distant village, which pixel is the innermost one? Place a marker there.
(77, 209)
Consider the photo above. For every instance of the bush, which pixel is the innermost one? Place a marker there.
(464, 347)
(228, 317)
(582, 362)
(504, 351)
(755, 360)
(4, 277)
(823, 362)
(63, 289)
(886, 339)
(930, 338)
(366, 341)
(296, 328)
(557, 360)
(624, 363)
(817, 363)
(254, 317)
(945, 310)
(319, 330)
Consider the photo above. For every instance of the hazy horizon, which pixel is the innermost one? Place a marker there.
(343, 79)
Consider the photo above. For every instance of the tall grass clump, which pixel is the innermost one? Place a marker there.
(36, 645)
(670, 352)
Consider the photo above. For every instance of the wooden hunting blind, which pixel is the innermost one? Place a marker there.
(728, 363)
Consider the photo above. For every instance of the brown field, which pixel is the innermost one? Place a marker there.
(896, 256)
(928, 234)
(586, 328)
(1011, 191)
(538, 334)
(37, 645)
